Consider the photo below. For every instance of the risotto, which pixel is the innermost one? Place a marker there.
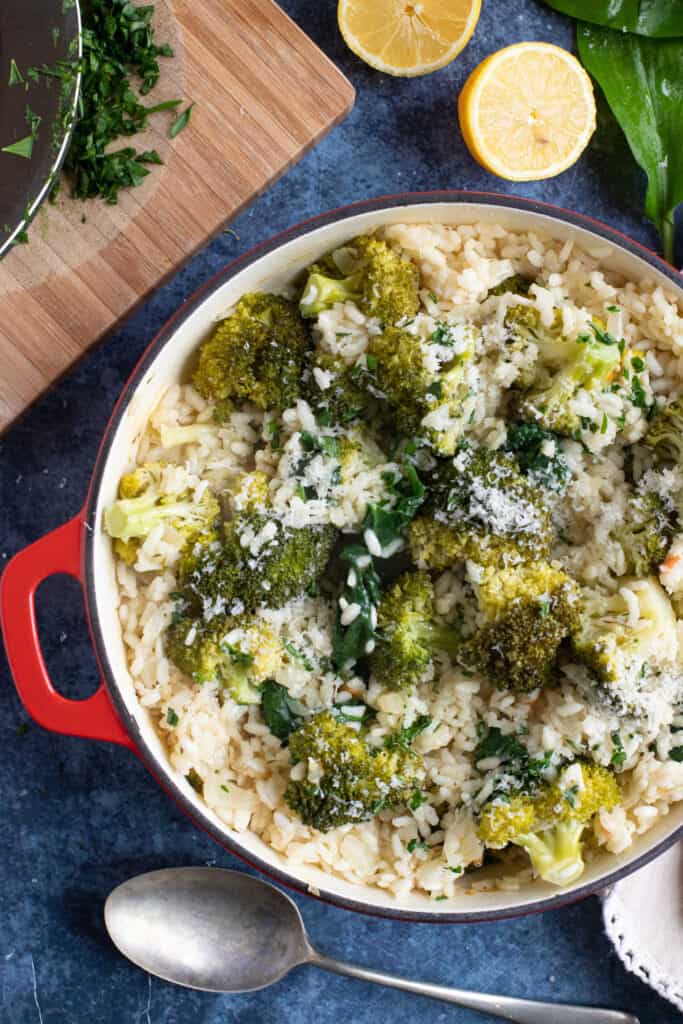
(435, 520)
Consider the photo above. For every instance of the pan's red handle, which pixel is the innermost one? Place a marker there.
(58, 552)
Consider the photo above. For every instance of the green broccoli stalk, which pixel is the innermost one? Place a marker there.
(592, 365)
(409, 633)
(646, 532)
(338, 779)
(367, 272)
(257, 354)
(142, 506)
(526, 612)
(238, 653)
(481, 508)
(550, 824)
(538, 455)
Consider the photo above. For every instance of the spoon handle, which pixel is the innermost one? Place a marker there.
(522, 1011)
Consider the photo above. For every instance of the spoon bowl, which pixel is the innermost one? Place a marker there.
(224, 931)
(206, 928)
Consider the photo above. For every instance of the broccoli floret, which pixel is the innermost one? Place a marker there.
(549, 824)
(142, 506)
(369, 273)
(343, 780)
(409, 633)
(665, 435)
(339, 393)
(258, 562)
(516, 284)
(646, 532)
(482, 509)
(256, 355)
(426, 382)
(238, 653)
(538, 455)
(590, 365)
(525, 328)
(526, 612)
(622, 664)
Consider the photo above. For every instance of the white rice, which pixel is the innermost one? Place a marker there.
(244, 767)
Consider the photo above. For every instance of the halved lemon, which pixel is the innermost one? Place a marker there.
(404, 38)
(527, 112)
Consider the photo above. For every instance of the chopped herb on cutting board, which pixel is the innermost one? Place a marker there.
(119, 66)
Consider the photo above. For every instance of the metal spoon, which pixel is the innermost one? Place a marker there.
(223, 931)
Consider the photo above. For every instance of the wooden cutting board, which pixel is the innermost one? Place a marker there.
(264, 95)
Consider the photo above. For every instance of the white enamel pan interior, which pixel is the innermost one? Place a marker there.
(269, 268)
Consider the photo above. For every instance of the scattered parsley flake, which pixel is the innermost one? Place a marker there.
(618, 753)
(181, 121)
(298, 655)
(23, 147)
(15, 75)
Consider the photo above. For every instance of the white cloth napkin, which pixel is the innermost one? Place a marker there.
(644, 919)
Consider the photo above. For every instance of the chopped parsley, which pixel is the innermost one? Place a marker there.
(237, 656)
(181, 121)
(638, 395)
(23, 147)
(15, 75)
(298, 655)
(417, 799)
(618, 753)
(571, 794)
(171, 717)
(404, 738)
(119, 49)
(196, 781)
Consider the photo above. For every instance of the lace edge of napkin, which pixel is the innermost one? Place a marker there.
(618, 927)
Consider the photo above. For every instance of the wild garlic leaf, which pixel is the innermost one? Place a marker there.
(642, 81)
(350, 642)
(278, 710)
(660, 18)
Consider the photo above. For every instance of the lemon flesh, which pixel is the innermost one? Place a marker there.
(407, 39)
(527, 112)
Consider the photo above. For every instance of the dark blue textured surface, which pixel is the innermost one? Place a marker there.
(77, 817)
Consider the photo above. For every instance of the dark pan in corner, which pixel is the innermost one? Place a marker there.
(33, 33)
